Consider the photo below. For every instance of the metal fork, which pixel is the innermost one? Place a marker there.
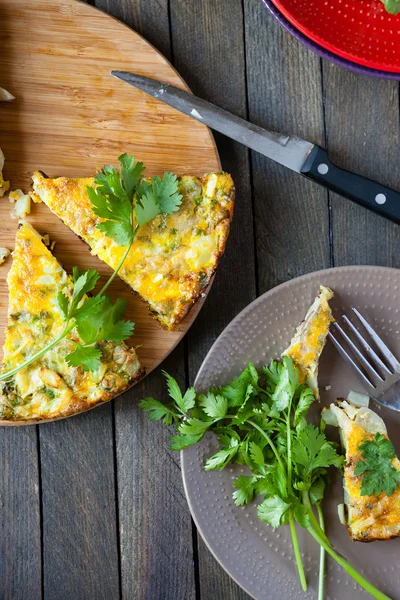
(379, 376)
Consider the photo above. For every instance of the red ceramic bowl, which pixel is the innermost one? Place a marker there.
(360, 31)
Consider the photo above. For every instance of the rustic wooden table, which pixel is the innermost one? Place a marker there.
(93, 507)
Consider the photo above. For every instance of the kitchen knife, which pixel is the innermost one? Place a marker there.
(303, 157)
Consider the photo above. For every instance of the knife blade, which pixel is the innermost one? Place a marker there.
(306, 158)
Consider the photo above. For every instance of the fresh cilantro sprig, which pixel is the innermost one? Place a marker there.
(378, 473)
(124, 202)
(96, 319)
(260, 421)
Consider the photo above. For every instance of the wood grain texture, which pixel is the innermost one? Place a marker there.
(71, 117)
(20, 550)
(150, 19)
(155, 525)
(80, 545)
(155, 531)
(284, 90)
(363, 136)
(85, 553)
(208, 51)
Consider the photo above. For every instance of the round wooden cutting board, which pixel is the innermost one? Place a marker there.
(71, 117)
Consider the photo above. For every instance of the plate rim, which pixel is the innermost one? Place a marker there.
(231, 324)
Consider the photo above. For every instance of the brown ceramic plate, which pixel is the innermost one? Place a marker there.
(258, 558)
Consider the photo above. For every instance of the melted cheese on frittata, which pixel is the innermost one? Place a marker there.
(173, 257)
(49, 388)
(368, 517)
(310, 337)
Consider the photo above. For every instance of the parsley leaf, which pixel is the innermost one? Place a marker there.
(132, 172)
(105, 324)
(256, 454)
(86, 357)
(219, 460)
(245, 489)
(147, 208)
(157, 411)
(286, 385)
(301, 514)
(83, 283)
(273, 510)
(166, 193)
(317, 490)
(179, 442)
(214, 406)
(306, 399)
(194, 427)
(120, 232)
(237, 389)
(185, 403)
(312, 450)
(379, 475)
(63, 304)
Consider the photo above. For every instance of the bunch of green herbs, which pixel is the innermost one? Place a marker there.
(260, 421)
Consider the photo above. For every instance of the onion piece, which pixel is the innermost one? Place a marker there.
(358, 399)
(5, 96)
(341, 514)
(329, 418)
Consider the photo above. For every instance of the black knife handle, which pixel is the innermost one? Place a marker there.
(362, 190)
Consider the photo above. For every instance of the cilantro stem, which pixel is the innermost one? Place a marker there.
(315, 524)
(121, 262)
(360, 579)
(321, 576)
(270, 442)
(296, 550)
(67, 329)
(289, 445)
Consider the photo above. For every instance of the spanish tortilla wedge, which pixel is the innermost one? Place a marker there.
(49, 388)
(309, 340)
(174, 257)
(368, 517)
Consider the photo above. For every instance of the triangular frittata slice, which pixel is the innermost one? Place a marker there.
(309, 340)
(369, 517)
(173, 257)
(49, 388)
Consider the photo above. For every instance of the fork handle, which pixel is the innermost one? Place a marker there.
(391, 398)
(363, 191)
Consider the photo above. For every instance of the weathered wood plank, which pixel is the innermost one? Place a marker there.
(20, 551)
(208, 51)
(155, 524)
(363, 135)
(284, 90)
(80, 546)
(149, 18)
(154, 519)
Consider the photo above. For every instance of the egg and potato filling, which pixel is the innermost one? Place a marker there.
(370, 517)
(309, 340)
(49, 388)
(173, 257)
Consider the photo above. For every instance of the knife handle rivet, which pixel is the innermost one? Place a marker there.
(322, 169)
(380, 198)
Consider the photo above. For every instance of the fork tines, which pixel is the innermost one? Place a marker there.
(370, 367)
